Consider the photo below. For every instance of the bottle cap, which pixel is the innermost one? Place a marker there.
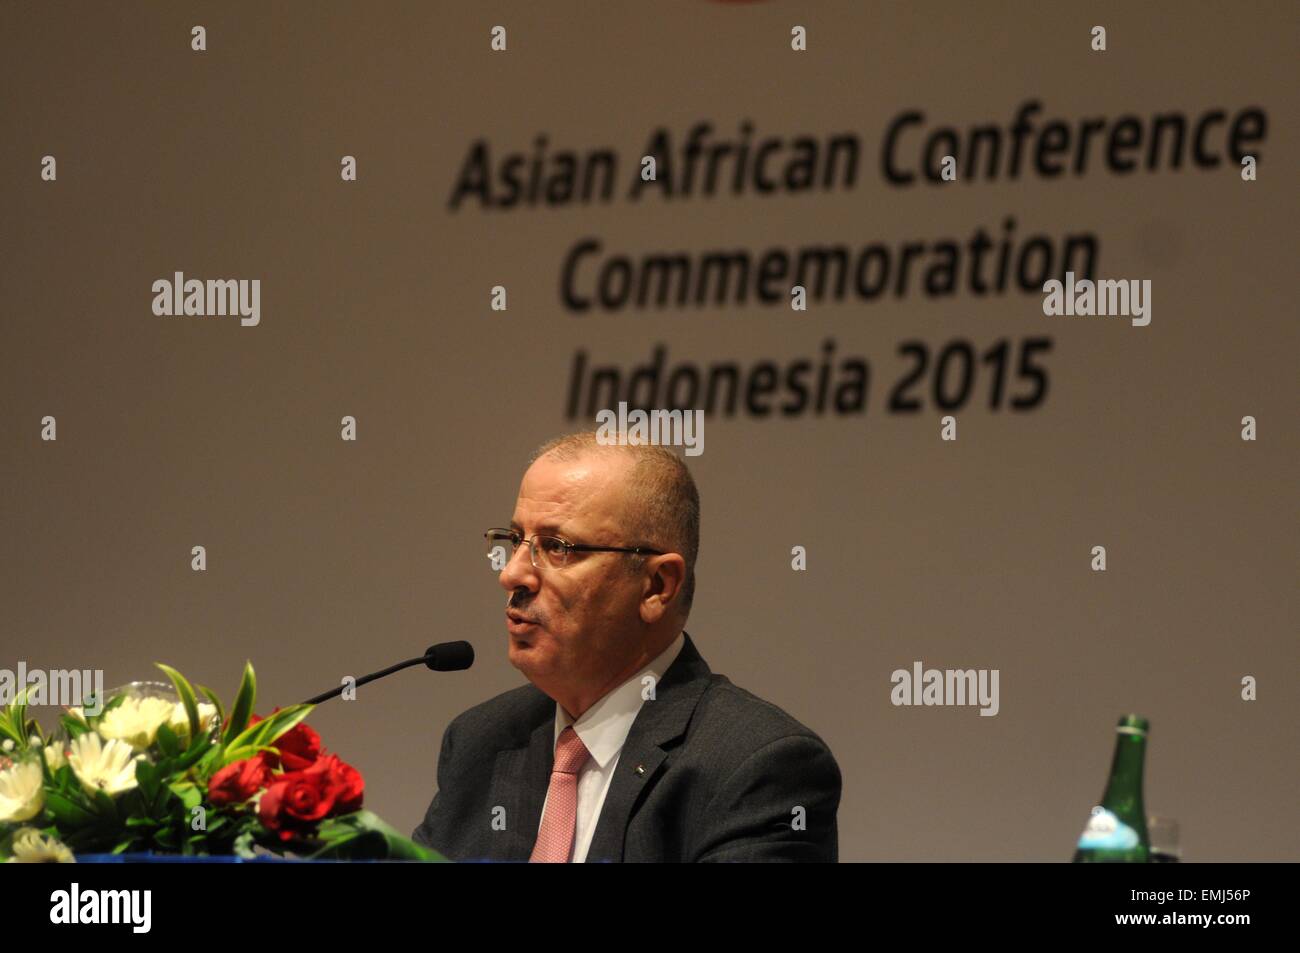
(1135, 724)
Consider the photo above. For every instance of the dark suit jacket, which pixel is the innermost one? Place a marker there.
(709, 772)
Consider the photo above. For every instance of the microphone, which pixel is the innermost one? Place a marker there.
(443, 657)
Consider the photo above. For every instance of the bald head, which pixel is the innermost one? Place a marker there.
(661, 507)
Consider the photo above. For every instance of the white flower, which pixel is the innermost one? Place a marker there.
(180, 721)
(76, 712)
(30, 847)
(21, 792)
(54, 757)
(136, 721)
(8, 744)
(106, 767)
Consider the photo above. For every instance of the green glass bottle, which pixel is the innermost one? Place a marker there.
(1117, 829)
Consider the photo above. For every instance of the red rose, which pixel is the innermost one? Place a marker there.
(237, 782)
(296, 800)
(299, 747)
(293, 803)
(351, 787)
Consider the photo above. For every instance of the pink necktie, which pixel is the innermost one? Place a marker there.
(555, 839)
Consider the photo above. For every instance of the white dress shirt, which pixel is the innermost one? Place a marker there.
(604, 728)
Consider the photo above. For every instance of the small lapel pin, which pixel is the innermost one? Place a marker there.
(640, 769)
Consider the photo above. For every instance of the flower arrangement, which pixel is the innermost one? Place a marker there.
(176, 775)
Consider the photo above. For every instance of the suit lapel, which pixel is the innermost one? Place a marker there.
(538, 762)
(659, 722)
(520, 777)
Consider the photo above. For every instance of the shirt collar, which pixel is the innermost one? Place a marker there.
(605, 725)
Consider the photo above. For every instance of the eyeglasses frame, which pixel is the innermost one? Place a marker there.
(568, 546)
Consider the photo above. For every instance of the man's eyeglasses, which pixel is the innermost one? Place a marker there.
(547, 552)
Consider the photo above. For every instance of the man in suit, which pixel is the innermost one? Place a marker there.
(624, 746)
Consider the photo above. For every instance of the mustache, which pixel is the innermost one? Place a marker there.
(523, 606)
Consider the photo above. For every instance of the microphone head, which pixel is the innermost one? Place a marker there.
(449, 656)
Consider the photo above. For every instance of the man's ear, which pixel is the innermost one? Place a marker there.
(662, 586)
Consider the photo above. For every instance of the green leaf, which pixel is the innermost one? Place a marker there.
(208, 761)
(67, 812)
(18, 718)
(186, 691)
(243, 845)
(105, 806)
(13, 722)
(243, 706)
(146, 779)
(190, 796)
(267, 730)
(216, 703)
(65, 782)
(364, 836)
(231, 755)
(8, 731)
(74, 727)
(113, 702)
(202, 747)
(167, 741)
